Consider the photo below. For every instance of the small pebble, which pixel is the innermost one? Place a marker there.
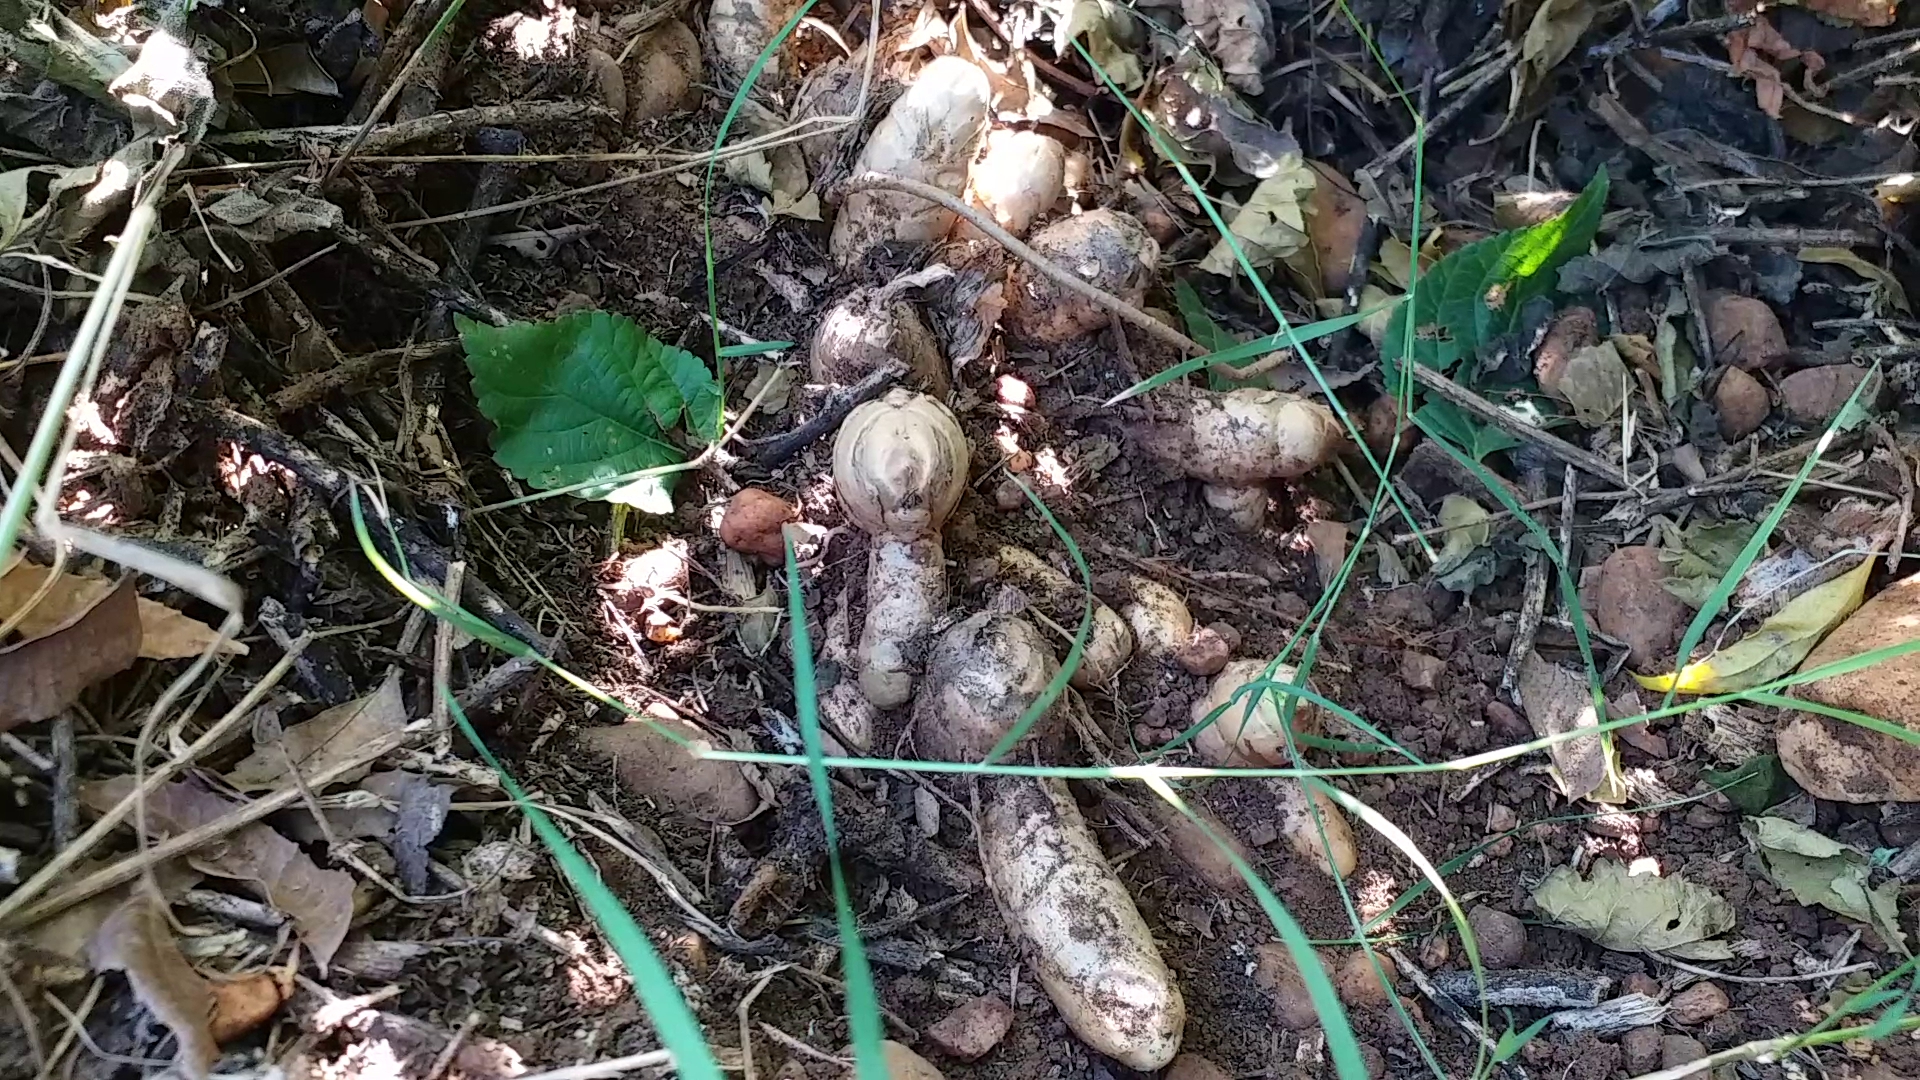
(1435, 951)
(1501, 937)
(1640, 983)
(1205, 653)
(1502, 818)
(1195, 1067)
(1262, 833)
(1700, 817)
(1741, 403)
(1008, 496)
(1697, 1003)
(1374, 1060)
(1359, 984)
(1507, 723)
(1641, 1048)
(974, 1028)
(1420, 671)
(1677, 1050)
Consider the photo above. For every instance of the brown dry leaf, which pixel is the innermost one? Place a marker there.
(1556, 701)
(135, 939)
(1748, 49)
(165, 634)
(1890, 286)
(240, 1005)
(1336, 216)
(320, 902)
(42, 676)
(1271, 224)
(1329, 540)
(325, 741)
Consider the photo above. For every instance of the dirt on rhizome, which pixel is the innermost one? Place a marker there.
(1600, 413)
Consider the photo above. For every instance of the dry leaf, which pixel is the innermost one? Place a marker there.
(325, 741)
(1557, 701)
(242, 1004)
(1748, 48)
(1237, 34)
(420, 807)
(1857, 12)
(1593, 381)
(1838, 256)
(136, 940)
(42, 676)
(1329, 541)
(1272, 224)
(1820, 870)
(165, 634)
(320, 902)
(1777, 646)
(1637, 912)
(1336, 216)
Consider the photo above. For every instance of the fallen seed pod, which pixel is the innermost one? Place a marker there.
(900, 466)
(652, 765)
(930, 135)
(982, 676)
(665, 74)
(866, 331)
(1238, 440)
(1237, 740)
(1021, 176)
(1076, 924)
(1109, 249)
(739, 30)
(1109, 644)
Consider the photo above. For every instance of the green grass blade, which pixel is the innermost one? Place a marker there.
(1235, 354)
(652, 982)
(863, 1005)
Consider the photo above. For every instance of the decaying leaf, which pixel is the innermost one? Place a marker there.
(1594, 381)
(1754, 784)
(1752, 47)
(1823, 871)
(1111, 34)
(1237, 34)
(1550, 37)
(324, 741)
(1777, 646)
(1698, 556)
(1467, 529)
(136, 940)
(1557, 701)
(1637, 912)
(1890, 287)
(1858, 12)
(165, 634)
(420, 809)
(1272, 223)
(320, 902)
(41, 676)
(1207, 123)
(1336, 218)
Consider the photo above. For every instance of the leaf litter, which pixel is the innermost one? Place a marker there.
(1820, 870)
(1644, 912)
(138, 941)
(328, 739)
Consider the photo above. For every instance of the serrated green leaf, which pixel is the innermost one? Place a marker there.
(1472, 295)
(589, 396)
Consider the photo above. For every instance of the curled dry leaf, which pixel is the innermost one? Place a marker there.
(1750, 50)
(165, 634)
(136, 940)
(324, 741)
(320, 902)
(1556, 701)
(1272, 223)
(1819, 870)
(1890, 290)
(1238, 35)
(42, 676)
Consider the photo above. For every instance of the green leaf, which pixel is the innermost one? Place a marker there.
(753, 348)
(1201, 328)
(1511, 1042)
(1473, 295)
(1754, 784)
(588, 397)
(1469, 436)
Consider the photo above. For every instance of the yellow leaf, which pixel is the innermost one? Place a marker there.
(1273, 222)
(1839, 256)
(165, 634)
(1777, 646)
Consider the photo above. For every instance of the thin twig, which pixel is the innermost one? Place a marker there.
(1811, 976)
(599, 1070)
(272, 280)
(1584, 460)
(776, 450)
(392, 91)
(1492, 74)
(443, 665)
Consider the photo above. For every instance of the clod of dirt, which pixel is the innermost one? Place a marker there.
(904, 1064)
(1420, 671)
(738, 31)
(1844, 762)
(1698, 1004)
(930, 135)
(1107, 248)
(1741, 403)
(242, 1004)
(1360, 986)
(1021, 176)
(1238, 740)
(1237, 441)
(754, 524)
(1076, 925)
(1372, 1060)
(1506, 723)
(653, 766)
(1815, 396)
(608, 84)
(1502, 939)
(868, 330)
(1745, 332)
(1195, 1067)
(665, 74)
(1574, 329)
(1276, 973)
(1641, 1049)
(1630, 604)
(1205, 653)
(974, 1028)
(1677, 1050)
